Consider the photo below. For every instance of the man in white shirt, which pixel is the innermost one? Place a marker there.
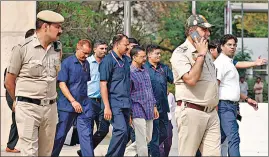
(229, 94)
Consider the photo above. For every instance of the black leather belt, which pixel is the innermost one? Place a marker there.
(96, 99)
(35, 101)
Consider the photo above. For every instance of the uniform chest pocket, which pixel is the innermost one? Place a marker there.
(36, 68)
(54, 67)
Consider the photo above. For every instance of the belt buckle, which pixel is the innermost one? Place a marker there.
(208, 109)
(44, 102)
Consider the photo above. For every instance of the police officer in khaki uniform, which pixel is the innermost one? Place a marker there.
(31, 82)
(196, 92)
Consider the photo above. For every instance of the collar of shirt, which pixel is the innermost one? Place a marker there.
(91, 59)
(117, 57)
(134, 68)
(75, 59)
(152, 66)
(223, 56)
(159, 68)
(36, 41)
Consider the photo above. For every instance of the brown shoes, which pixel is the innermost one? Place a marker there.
(12, 150)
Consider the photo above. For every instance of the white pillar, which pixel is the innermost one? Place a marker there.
(16, 18)
(127, 18)
(193, 4)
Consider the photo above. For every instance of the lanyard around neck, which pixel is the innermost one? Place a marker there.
(155, 69)
(117, 60)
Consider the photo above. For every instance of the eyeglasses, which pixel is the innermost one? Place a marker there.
(231, 45)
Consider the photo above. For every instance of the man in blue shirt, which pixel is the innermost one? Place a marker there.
(160, 74)
(115, 91)
(100, 50)
(132, 42)
(73, 102)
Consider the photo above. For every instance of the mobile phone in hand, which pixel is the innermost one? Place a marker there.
(196, 35)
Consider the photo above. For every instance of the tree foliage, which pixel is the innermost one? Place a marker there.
(255, 25)
(161, 23)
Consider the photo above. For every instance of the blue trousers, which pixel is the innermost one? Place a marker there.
(166, 145)
(84, 127)
(85, 134)
(227, 112)
(131, 134)
(159, 134)
(102, 126)
(66, 120)
(120, 123)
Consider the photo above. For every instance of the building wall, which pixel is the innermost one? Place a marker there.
(16, 18)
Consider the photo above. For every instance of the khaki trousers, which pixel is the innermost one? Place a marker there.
(259, 98)
(198, 130)
(36, 128)
(143, 133)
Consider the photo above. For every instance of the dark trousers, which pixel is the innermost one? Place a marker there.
(66, 120)
(85, 133)
(120, 123)
(131, 134)
(13, 134)
(227, 112)
(159, 133)
(84, 128)
(166, 145)
(102, 126)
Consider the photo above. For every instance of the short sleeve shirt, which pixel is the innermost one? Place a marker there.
(228, 76)
(116, 72)
(94, 83)
(159, 77)
(75, 75)
(205, 92)
(36, 68)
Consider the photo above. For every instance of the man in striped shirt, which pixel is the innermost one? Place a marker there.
(144, 108)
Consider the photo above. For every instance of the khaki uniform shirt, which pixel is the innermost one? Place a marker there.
(36, 69)
(258, 85)
(205, 92)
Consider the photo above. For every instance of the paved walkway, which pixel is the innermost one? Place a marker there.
(253, 132)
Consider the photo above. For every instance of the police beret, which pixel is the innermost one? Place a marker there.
(50, 16)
